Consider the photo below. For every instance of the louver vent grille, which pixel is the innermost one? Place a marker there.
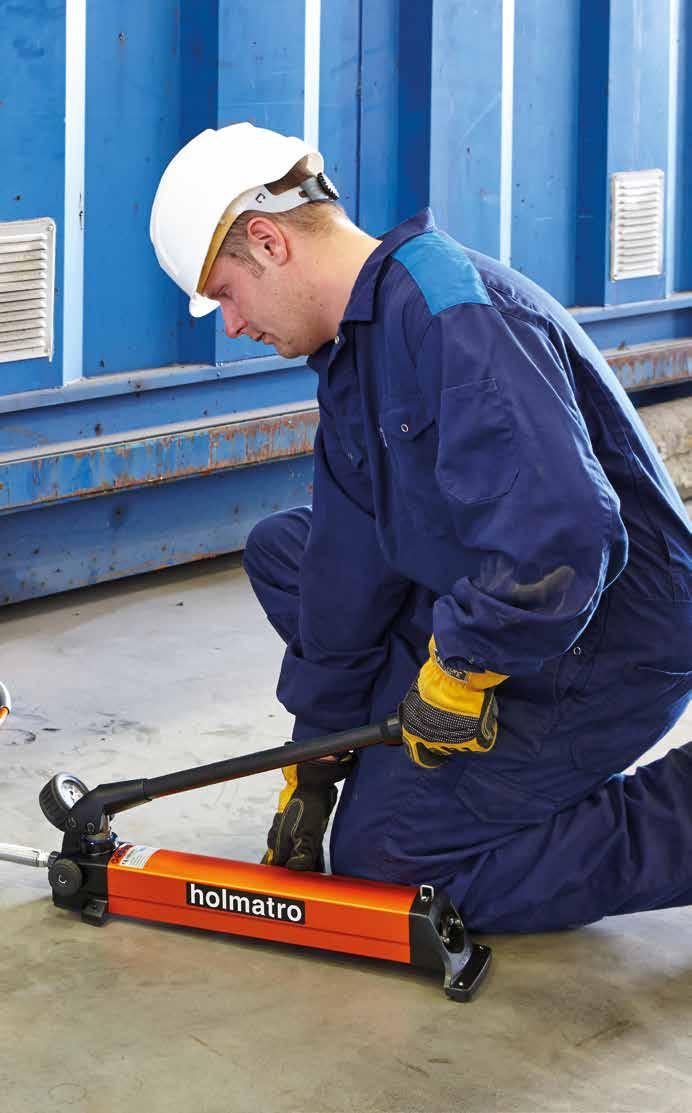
(636, 247)
(27, 263)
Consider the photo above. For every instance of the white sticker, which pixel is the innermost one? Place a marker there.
(138, 856)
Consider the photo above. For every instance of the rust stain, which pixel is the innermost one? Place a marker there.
(255, 442)
(644, 366)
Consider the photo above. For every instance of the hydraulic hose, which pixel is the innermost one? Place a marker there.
(24, 855)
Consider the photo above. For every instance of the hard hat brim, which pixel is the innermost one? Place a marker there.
(201, 306)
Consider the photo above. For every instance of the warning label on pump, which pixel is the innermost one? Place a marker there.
(136, 857)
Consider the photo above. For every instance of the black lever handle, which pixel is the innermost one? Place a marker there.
(88, 814)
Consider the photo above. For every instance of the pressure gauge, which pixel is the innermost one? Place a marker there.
(59, 796)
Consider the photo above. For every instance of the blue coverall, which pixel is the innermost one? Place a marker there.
(481, 474)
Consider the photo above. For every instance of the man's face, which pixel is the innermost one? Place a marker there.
(268, 307)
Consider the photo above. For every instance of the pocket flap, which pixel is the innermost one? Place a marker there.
(405, 422)
(477, 459)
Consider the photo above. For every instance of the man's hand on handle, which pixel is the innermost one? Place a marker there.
(305, 805)
(445, 712)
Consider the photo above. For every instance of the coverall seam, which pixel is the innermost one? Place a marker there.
(531, 312)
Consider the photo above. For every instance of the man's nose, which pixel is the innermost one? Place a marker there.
(233, 322)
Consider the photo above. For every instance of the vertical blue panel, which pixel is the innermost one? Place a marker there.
(378, 208)
(638, 117)
(261, 77)
(466, 120)
(683, 216)
(394, 149)
(132, 130)
(339, 97)
(32, 149)
(415, 58)
(592, 153)
(546, 87)
(199, 60)
(624, 59)
(261, 64)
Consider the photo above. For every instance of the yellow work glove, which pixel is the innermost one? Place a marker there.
(305, 805)
(445, 712)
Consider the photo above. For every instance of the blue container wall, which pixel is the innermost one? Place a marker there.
(466, 121)
(544, 178)
(510, 128)
(142, 63)
(682, 208)
(508, 117)
(638, 113)
(32, 148)
(133, 128)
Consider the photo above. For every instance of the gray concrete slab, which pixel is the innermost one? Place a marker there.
(160, 672)
(670, 426)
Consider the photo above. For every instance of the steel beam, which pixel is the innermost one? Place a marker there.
(648, 365)
(103, 465)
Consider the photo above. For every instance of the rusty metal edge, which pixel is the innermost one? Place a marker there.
(660, 363)
(258, 437)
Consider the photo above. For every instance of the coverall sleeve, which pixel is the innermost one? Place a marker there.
(527, 494)
(348, 599)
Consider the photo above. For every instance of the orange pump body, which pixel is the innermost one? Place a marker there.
(268, 902)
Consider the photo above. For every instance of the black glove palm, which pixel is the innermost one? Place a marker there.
(305, 805)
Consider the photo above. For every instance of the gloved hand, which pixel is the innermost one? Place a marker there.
(447, 711)
(305, 805)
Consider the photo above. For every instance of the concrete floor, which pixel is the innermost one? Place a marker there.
(165, 671)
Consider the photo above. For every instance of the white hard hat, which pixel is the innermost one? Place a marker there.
(209, 183)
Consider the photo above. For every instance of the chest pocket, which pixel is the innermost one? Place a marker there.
(478, 457)
(410, 437)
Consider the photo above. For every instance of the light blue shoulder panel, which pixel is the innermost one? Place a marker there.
(443, 271)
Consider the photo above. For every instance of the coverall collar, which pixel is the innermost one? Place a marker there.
(361, 303)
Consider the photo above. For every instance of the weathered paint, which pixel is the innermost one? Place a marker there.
(650, 365)
(102, 467)
(103, 464)
(93, 540)
(118, 414)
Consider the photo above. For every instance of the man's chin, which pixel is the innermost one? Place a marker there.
(290, 351)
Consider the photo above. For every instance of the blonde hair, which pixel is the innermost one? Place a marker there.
(314, 218)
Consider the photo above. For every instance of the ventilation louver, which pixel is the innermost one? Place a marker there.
(27, 265)
(636, 224)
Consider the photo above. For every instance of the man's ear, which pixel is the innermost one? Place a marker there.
(268, 240)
